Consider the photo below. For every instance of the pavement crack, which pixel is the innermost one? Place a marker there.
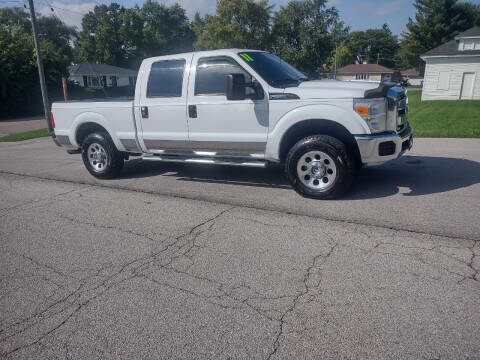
(304, 292)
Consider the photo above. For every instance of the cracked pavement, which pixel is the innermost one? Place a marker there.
(120, 269)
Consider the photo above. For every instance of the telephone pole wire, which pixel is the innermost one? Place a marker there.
(41, 74)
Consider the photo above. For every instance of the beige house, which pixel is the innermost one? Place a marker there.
(365, 72)
(413, 76)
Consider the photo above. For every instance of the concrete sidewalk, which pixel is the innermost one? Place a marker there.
(16, 126)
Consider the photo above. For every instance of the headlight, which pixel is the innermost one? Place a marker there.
(373, 111)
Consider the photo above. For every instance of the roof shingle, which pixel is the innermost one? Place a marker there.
(410, 72)
(449, 49)
(474, 31)
(87, 69)
(365, 69)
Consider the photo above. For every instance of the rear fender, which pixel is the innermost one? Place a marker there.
(93, 117)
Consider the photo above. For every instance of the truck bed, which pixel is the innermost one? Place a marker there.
(114, 115)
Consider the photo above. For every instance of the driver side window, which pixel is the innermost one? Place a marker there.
(211, 77)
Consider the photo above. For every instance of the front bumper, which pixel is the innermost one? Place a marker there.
(378, 148)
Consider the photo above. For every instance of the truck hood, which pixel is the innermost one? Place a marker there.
(329, 89)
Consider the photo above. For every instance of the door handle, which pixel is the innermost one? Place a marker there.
(144, 110)
(192, 111)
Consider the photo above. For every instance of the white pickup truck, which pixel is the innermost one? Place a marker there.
(244, 108)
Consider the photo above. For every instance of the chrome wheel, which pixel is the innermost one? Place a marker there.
(97, 156)
(317, 170)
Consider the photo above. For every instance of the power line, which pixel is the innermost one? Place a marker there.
(46, 2)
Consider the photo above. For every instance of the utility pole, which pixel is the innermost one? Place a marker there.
(41, 74)
(336, 49)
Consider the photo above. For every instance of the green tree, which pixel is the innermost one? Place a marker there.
(166, 30)
(100, 39)
(435, 23)
(19, 83)
(124, 37)
(342, 56)
(305, 33)
(374, 46)
(237, 23)
(198, 24)
(55, 39)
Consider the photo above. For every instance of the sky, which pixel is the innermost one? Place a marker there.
(358, 14)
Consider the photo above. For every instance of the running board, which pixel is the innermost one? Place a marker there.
(205, 160)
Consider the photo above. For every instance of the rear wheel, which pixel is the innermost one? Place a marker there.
(101, 157)
(320, 167)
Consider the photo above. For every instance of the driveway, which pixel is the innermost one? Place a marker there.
(21, 125)
(175, 261)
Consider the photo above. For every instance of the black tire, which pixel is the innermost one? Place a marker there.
(342, 175)
(112, 161)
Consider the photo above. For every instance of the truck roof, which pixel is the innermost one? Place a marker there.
(207, 53)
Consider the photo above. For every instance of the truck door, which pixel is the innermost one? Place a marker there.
(162, 105)
(225, 127)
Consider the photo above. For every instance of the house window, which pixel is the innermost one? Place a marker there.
(363, 76)
(443, 81)
(468, 45)
(94, 81)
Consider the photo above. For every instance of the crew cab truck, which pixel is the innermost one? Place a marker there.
(243, 108)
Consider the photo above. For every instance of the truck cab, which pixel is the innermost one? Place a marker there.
(243, 108)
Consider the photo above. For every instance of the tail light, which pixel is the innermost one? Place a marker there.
(52, 120)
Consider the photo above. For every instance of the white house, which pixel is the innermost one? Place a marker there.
(101, 75)
(452, 70)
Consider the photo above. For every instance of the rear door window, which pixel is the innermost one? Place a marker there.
(166, 78)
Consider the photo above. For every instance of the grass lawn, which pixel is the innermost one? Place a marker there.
(443, 118)
(26, 135)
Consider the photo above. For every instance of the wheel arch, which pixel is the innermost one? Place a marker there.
(87, 128)
(310, 127)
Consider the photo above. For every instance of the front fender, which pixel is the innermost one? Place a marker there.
(347, 118)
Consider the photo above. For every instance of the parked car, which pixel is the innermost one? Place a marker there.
(243, 108)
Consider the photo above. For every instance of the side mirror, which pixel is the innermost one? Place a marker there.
(236, 89)
(259, 94)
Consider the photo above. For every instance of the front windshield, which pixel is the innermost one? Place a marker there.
(272, 69)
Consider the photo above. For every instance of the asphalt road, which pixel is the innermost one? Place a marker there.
(175, 261)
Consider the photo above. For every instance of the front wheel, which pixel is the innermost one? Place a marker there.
(320, 167)
(101, 157)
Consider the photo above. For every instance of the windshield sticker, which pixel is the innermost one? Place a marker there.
(246, 57)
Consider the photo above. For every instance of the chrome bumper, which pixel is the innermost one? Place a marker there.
(376, 149)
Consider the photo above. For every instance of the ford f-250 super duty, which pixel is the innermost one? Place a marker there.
(245, 108)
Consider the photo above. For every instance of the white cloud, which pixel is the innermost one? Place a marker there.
(192, 6)
(70, 14)
(390, 8)
(334, 2)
